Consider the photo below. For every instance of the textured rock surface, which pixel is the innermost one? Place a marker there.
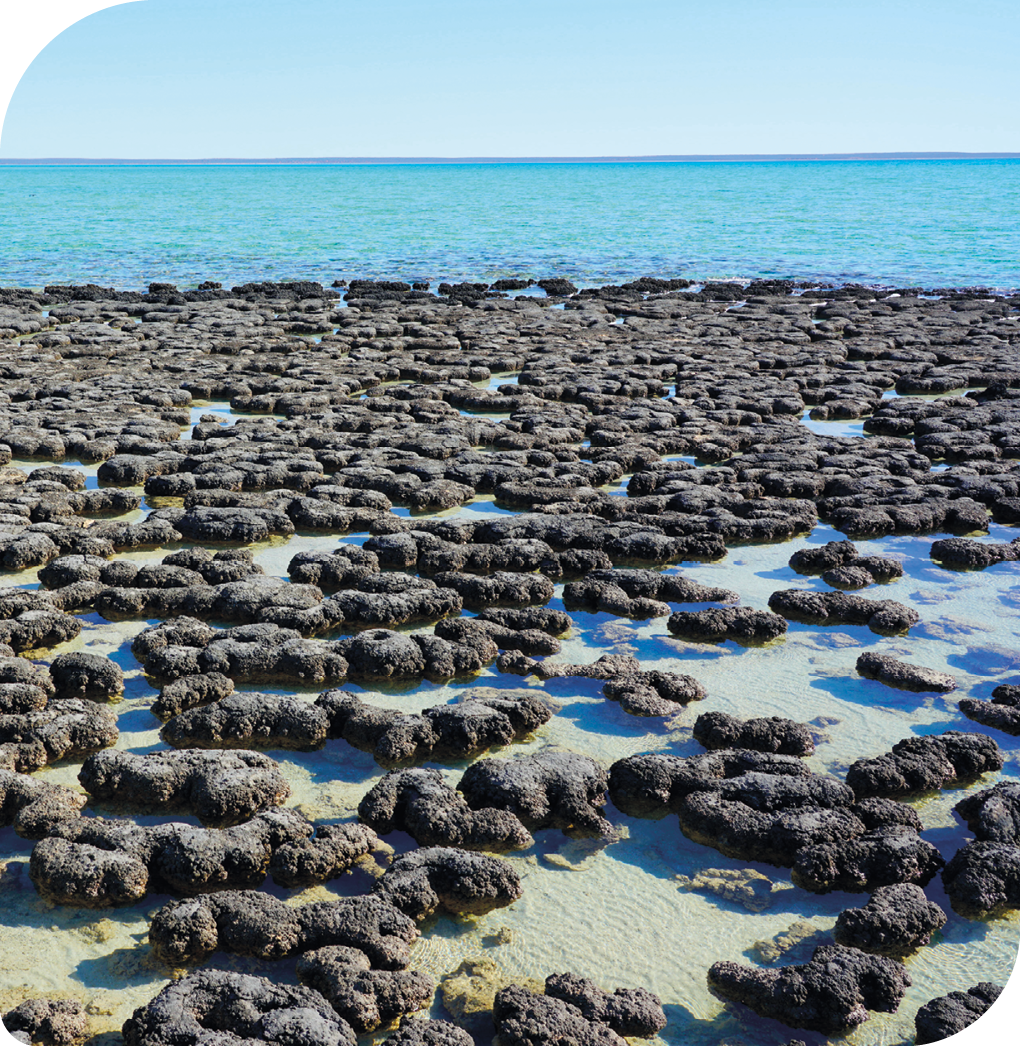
(904, 676)
(940, 1018)
(53, 1022)
(717, 730)
(895, 921)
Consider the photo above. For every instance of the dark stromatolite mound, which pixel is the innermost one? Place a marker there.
(1002, 712)
(19, 670)
(420, 803)
(548, 790)
(217, 1006)
(332, 571)
(904, 676)
(653, 693)
(430, 1033)
(830, 994)
(631, 1012)
(385, 600)
(943, 1017)
(825, 557)
(994, 813)
(220, 788)
(639, 593)
(52, 1022)
(363, 997)
(842, 566)
(741, 624)
(884, 616)
(61, 730)
(715, 730)
(19, 698)
(98, 863)
(87, 676)
(922, 764)
(249, 922)
(500, 589)
(983, 878)
(328, 854)
(192, 691)
(881, 857)
(33, 806)
(424, 881)
(895, 921)
(967, 554)
(441, 732)
(177, 631)
(245, 720)
(36, 627)
(378, 655)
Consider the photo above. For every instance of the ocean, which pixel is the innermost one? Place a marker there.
(928, 223)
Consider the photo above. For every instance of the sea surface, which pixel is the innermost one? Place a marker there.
(928, 223)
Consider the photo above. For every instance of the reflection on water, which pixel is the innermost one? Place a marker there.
(613, 912)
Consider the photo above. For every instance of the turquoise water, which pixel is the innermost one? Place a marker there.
(901, 222)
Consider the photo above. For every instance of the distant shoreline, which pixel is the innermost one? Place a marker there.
(365, 160)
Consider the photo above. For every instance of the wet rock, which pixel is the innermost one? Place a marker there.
(220, 788)
(178, 631)
(363, 997)
(904, 676)
(249, 922)
(34, 806)
(523, 1018)
(330, 853)
(88, 676)
(741, 624)
(631, 1012)
(503, 589)
(884, 616)
(394, 599)
(967, 554)
(63, 730)
(882, 857)
(744, 886)
(193, 691)
(791, 939)
(921, 764)
(639, 593)
(420, 803)
(53, 1022)
(983, 877)
(243, 525)
(423, 881)
(245, 720)
(608, 666)
(18, 698)
(332, 571)
(943, 1017)
(430, 1033)
(98, 863)
(831, 993)
(653, 693)
(895, 921)
(548, 790)
(715, 730)
(1002, 712)
(993, 814)
(213, 1005)
(32, 629)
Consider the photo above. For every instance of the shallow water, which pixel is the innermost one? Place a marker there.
(613, 910)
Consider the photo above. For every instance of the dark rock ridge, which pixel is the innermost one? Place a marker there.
(53, 1022)
(993, 814)
(34, 807)
(548, 790)
(420, 803)
(884, 616)
(631, 1012)
(983, 878)
(741, 624)
(86, 676)
(904, 676)
(363, 997)
(1002, 712)
(334, 848)
(842, 566)
(830, 994)
(926, 763)
(715, 730)
(99, 863)
(488, 720)
(61, 730)
(967, 554)
(896, 920)
(653, 693)
(429, 1033)
(424, 881)
(639, 593)
(216, 1005)
(220, 788)
(940, 1018)
(252, 923)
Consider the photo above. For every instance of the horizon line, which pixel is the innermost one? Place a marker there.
(653, 158)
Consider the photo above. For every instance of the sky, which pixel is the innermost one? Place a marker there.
(305, 78)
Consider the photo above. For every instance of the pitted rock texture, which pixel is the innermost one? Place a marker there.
(250, 922)
(940, 1018)
(1002, 712)
(62, 730)
(922, 764)
(639, 593)
(715, 730)
(331, 852)
(219, 1006)
(363, 997)
(884, 616)
(631, 1012)
(424, 881)
(245, 720)
(86, 676)
(34, 807)
(983, 878)
(653, 693)
(904, 676)
(967, 554)
(895, 921)
(993, 814)
(429, 1033)
(220, 788)
(523, 1018)
(420, 803)
(743, 625)
(548, 790)
(830, 994)
(53, 1022)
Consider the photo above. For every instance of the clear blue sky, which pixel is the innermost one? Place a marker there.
(265, 78)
